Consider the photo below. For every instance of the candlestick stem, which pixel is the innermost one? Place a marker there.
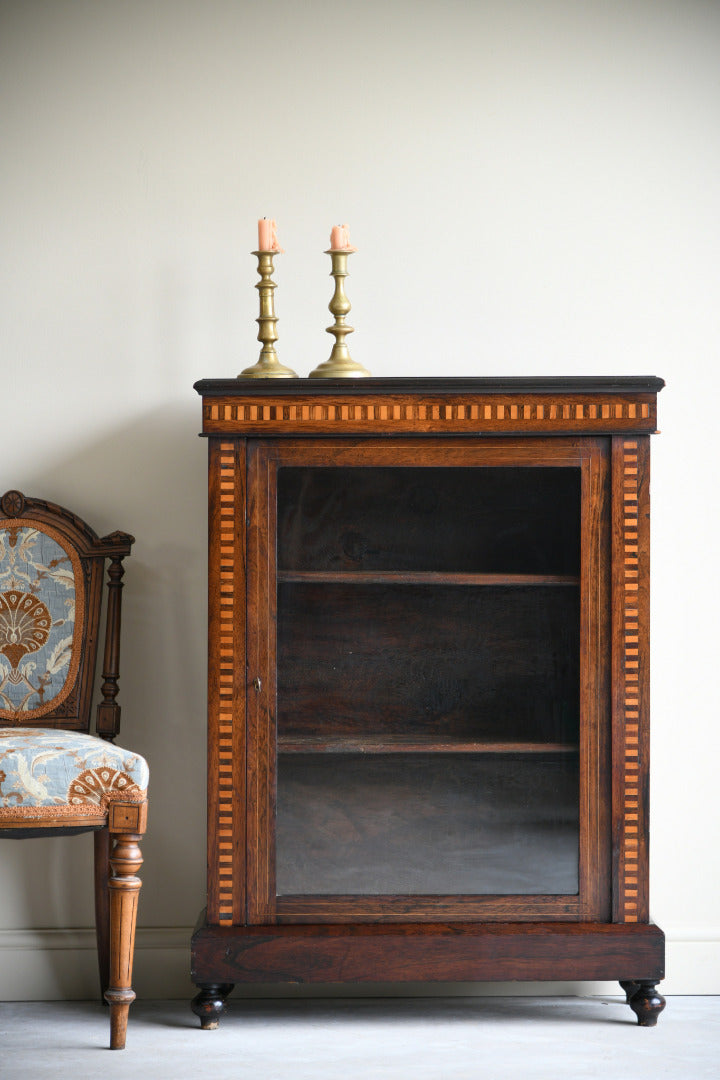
(340, 364)
(268, 365)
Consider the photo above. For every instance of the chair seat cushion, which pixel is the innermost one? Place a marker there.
(54, 773)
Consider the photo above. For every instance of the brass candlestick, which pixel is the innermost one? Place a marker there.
(340, 364)
(268, 365)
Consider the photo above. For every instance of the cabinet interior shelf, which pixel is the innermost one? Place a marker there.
(420, 577)
(353, 744)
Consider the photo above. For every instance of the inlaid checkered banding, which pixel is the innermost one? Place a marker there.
(631, 687)
(382, 412)
(225, 691)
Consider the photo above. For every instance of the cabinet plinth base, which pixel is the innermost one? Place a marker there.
(447, 952)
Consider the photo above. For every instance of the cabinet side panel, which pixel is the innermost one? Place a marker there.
(226, 682)
(631, 681)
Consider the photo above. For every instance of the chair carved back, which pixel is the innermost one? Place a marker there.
(51, 584)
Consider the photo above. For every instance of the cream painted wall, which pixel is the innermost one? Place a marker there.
(533, 187)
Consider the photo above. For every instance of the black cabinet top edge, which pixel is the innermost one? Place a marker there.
(575, 384)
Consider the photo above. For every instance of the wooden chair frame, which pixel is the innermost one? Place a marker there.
(119, 824)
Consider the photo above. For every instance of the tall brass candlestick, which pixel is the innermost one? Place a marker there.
(340, 364)
(268, 365)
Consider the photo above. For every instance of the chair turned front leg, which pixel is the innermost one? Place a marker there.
(124, 889)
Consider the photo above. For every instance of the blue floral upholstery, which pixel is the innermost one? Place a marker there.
(43, 771)
(41, 620)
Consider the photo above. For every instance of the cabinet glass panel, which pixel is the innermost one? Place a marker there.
(525, 520)
(428, 681)
(384, 824)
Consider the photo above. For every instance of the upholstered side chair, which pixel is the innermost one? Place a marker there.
(55, 777)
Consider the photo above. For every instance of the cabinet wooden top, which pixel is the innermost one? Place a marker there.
(402, 406)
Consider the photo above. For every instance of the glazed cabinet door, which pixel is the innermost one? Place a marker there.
(427, 678)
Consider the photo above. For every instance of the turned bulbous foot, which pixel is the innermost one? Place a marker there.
(645, 1002)
(209, 1004)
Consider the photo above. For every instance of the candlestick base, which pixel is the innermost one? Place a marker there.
(266, 369)
(268, 366)
(339, 369)
(339, 365)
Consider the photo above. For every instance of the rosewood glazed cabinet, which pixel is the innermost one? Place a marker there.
(428, 684)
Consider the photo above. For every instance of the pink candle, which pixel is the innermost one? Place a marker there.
(340, 239)
(267, 235)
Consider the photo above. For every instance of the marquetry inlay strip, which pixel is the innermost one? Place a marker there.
(225, 871)
(385, 413)
(631, 690)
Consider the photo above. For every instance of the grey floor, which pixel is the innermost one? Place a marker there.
(367, 1039)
